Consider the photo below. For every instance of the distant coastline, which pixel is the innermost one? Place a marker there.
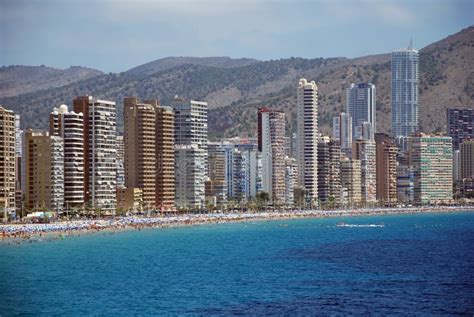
(39, 232)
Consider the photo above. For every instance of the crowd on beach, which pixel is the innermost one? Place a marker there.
(64, 228)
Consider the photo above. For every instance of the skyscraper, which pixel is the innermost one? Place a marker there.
(307, 137)
(404, 91)
(99, 151)
(70, 126)
(460, 125)
(190, 176)
(342, 132)
(431, 158)
(217, 183)
(165, 176)
(271, 143)
(190, 134)
(361, 108)
(386, 158)
(140, 153)
(466, 159)
(7, 161)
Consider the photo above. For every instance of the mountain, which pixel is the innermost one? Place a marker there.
(171, 62)
(235, 92)
(16, 80)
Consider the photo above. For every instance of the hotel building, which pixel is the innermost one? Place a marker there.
(364, 150)
(361, 108)
(386, 158)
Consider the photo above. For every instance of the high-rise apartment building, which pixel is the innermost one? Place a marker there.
(43, 171)
(404, 91)
(307, 137)
(350, 182)
(291, 179)
(190, 176)
(247, 172)
(120, 161)
(100, 153)
(140, 148)
(217, 182)
(364, 150)
(165, 156)
(342, 132)
(361, 108)
(386, 158)
(460, 125)
(329, 167)
(466, 160)
(271, 144)
(190, 134)
(69, 125)
(431, 158)
(7, 161)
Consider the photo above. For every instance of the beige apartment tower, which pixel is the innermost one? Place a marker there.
(7, 161)
(43, 171)
(351, 182)
(165, 174)
(140, 149)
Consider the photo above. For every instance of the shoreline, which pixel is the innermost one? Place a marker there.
(63, 229)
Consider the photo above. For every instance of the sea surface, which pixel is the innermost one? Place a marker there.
(416, 264)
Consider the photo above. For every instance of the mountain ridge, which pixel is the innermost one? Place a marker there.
(234, 93)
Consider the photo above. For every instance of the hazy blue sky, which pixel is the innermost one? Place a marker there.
(117, 35)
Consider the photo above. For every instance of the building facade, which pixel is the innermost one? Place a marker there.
(165, 156)
(100, 153)
(7, 161)
(405, 92)
(140, 148)
(350, 182)
(342, 132)
(190, 169)
(307, 137)
(70, 126)
(365, 151)
(271, 142)
(460, 125)
(361, 108)
(386, 171)
(431, 158)
(329, 175)
(43, 171)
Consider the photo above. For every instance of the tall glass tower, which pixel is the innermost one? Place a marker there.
(404, 91)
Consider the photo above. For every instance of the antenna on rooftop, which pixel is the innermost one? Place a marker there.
(410, 46)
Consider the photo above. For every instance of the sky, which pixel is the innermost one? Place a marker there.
(116, 35)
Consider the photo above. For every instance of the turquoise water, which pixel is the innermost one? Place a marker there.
(416, 264)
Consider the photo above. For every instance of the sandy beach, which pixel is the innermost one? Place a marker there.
(45, 231)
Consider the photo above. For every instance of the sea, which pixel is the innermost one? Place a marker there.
(419, 264)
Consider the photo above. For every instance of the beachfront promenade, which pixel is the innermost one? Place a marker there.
(163, 221)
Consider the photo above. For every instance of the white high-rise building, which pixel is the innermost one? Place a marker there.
(307, 137)
(342, 132)
(405, 91)
(100, 152)
(361, 108)
(70, 126)
(365, 151)
(190, 176)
